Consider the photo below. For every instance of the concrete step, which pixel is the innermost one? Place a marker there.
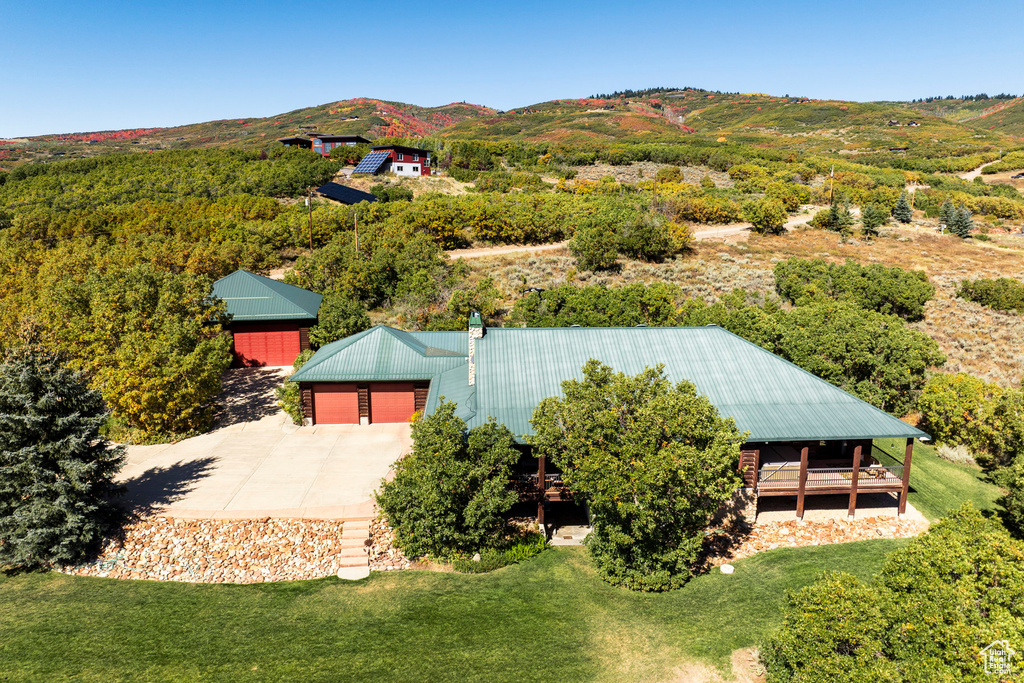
(354, 552)
(356, 542)
(357, 525)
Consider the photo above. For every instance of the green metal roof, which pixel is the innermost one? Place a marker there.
(767, 396)
(252, 297)
(517, 368)
(384, 353)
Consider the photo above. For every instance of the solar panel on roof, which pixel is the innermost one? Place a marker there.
(371, 162)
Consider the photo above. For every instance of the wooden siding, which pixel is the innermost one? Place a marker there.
(364, 401)
(307, 399)
(304, 338)
(421, 390)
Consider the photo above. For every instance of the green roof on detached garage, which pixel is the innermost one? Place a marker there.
(516, 368)
(252, 297)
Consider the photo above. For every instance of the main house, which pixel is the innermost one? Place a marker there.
(805, 436)
(270, 320)
(405, 161)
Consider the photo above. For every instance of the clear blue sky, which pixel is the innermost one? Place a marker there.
(86, 66)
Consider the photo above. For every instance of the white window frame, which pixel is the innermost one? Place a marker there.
(399, 169)
(415, 169)
(415, 157)
(401, 157)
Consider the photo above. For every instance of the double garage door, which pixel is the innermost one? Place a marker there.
(266, 344)
(338, 403)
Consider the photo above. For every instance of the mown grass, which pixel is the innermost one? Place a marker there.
(551, 617)
(937, 486)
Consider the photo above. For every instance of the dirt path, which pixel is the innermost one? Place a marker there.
(971, 175)
(710, 232)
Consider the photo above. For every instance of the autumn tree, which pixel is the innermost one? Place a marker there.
(653, 460)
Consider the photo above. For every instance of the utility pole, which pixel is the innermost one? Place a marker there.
(309, 205)
(357, 232)
(831, 184)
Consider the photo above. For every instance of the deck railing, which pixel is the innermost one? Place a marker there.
(828, 477)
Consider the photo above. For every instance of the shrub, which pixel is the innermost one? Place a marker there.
(1001, 294)
(391, 193)
(651, 237)
(531, 545)
(340, 316)
(289, 395)
(451, 492)
(958, 455)
(707, 183)
(350, 155)
(56, 471)
(594, 247)
(876, 287)
(1011, 478)
(767, 215)
(954, 410)
(653, 461)
(925, 617)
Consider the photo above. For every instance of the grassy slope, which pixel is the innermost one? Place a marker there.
(938, 487)
(549, 617)
(1005, 116)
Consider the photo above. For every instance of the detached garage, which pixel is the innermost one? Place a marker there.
(377, 376)
(270, 320)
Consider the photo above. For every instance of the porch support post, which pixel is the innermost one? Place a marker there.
(803, 482)
(906, 476)
(853, 482)
(540, 488)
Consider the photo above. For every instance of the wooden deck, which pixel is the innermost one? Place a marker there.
(774, 481)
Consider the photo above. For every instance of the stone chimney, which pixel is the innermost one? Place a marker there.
(476, 331)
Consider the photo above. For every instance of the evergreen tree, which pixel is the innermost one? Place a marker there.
(946, 212)
(902, 211)
(872, 218)
(840, 219)
(56, 471)
(961, 224)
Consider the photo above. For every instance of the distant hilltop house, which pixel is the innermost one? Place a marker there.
(893, 122)
(913, 123)
(407, 161)
(322, 143)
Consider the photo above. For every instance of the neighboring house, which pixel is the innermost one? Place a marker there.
(805, 436)
(322, 143)
(270, 320)
(344, 194)
(405, 161)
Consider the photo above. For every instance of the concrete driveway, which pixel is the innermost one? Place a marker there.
(257, 464)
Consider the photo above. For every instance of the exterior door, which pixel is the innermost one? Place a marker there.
(335, 404)
(392, 401)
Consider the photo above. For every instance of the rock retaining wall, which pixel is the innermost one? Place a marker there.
(221, 551)
(727, 546)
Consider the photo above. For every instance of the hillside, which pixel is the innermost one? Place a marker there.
(999, 114)
(359, 116)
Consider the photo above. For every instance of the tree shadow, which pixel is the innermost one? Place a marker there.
(247, 396)
(159, 487)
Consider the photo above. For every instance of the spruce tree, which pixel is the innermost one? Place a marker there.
(56, 471)
(946, 213)
(902, 211)
(963, 221)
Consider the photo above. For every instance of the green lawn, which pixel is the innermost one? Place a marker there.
(938, 486)
(551, 618)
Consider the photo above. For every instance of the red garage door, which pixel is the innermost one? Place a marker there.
(335, 404)
(392, 402)
(266, 344)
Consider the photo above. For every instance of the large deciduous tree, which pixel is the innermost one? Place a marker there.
(152, 342)
(56, 472)
(450, 494)
(654, 460)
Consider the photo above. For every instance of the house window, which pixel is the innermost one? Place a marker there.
(415, 169)
(401, 157)
(415, 157)
(399, 169)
